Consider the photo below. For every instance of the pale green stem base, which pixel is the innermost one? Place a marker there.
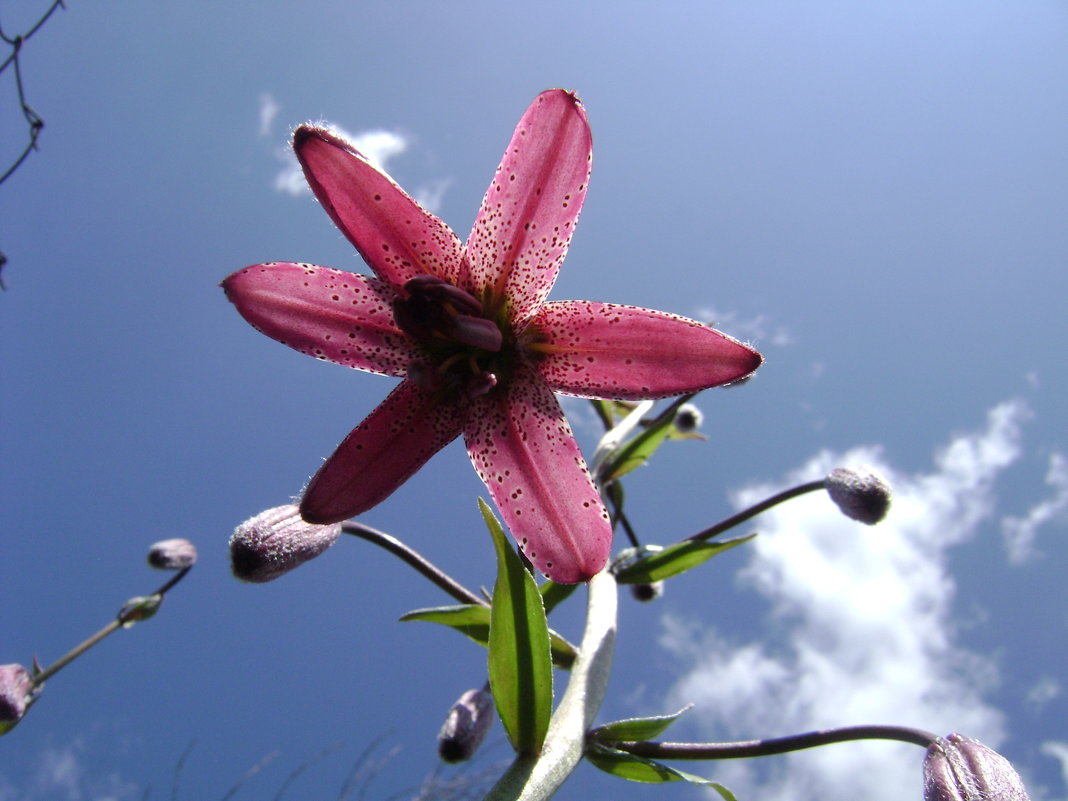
(536, 778)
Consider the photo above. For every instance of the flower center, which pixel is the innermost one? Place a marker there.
(462, 347)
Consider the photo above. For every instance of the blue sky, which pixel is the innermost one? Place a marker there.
(873, 194)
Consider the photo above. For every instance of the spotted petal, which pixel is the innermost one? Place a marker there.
(330, 314)
(396, 236)
(603, 350)
(523, 448)
(380, 454)
(524, 226)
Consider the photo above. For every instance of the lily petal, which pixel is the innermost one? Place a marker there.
(330, 314)
(380, 454)
(396, 236)
(603, 350)
(523, 449)
(524, 226)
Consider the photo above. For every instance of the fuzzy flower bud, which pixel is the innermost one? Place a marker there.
(958, 768)
(276, 541)
(16, 694)
(176, 554)
(647, 592)
(465, 726)
(688, 418)
(860, 493)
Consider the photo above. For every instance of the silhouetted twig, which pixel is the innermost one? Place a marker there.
(33, 121)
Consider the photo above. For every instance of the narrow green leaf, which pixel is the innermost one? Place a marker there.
(520, 663)
(675, 559)
(636, 452)
(638, 769)
(553, 593)
(634, 729)
(473, 620)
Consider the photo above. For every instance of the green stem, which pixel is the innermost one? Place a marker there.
(536, 778)
(776, 745)
(753, 511)
(415, 559)
(114, 625)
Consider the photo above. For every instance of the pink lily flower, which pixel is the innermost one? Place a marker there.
(469, 331)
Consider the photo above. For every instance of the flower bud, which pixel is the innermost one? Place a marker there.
(176, 554)
(959, 768)
(860, 493)
(647, 592)
(688, 418)
(276, 541)
(16, 694)
(465, 726)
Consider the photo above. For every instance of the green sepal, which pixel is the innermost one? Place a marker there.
(520, 660)
(140, 608)
(635, 729)
(473, 620)
(639, 769)
(675, 559)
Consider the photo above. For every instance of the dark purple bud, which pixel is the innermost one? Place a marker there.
(466, 725)
(958, 768)
(860, 493)
(16, 694)
(688, 418)
(276, 541)
(647, 592)
(176, 554)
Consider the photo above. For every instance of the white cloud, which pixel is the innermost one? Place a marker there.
(859, 624)
(1058, 751)
(1042, 692)
(378, 147)
(268, 111)
(1020, 532)
(758, 330)
(430, 196)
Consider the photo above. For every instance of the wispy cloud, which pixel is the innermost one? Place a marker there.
(378, 147)
(758, 329)
(68, 773)
(268, 111)
(1020, 532)
(860, 627)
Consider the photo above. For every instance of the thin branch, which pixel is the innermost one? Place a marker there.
(415, 559)
(777, 745)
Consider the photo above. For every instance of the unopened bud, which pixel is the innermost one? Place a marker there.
(465, 726)
(688, 418)
(176, 554)
(958, 768)
(647, 592)
(16, 694)
(276, 541)
(860, 493)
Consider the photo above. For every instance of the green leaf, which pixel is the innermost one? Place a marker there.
(675, 559)
(639, 769)
(552, 594)
(634, 729)
(473, 620)
(638, 450)
(520, 663)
